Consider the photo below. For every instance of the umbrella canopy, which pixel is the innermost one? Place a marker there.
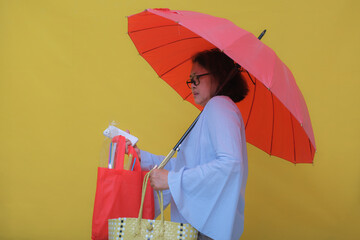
(274, 111)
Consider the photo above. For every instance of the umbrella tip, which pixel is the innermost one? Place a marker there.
(262, 34)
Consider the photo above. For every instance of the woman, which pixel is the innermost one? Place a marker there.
(205, 183)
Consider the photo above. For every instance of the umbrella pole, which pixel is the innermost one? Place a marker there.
(177, 146)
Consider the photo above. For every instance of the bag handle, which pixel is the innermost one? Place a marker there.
(161, 205)
(120, 153)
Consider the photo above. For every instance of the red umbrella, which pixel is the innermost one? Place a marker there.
(274, 112)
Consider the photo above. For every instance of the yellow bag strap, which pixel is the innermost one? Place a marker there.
(145, 182)
(161, 205)
(160, 196)
(146, 179)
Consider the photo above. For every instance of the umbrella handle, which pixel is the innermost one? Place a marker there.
(166, 159)
(177, 146)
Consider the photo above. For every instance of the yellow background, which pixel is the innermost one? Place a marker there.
(67, 68)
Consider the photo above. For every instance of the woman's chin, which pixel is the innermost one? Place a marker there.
(200, 103)
(197, 101)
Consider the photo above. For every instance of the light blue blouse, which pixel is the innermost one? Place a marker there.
(207, 178)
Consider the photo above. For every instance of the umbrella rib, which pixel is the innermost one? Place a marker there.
(150, 28)
(169, 43)
(293, 132)
(250, 76)
(311, 151)
(187, 96)
(273, 122)
(174, 67)
(252, 103)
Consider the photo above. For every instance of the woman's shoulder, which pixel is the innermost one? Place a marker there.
(221, 107)
(221, 102)
(222, 110)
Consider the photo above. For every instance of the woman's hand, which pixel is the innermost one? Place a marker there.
(159, 179)
(128, 142)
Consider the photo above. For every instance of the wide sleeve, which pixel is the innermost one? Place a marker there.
(208, 195)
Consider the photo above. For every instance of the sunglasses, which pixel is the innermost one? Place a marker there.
(195, 79)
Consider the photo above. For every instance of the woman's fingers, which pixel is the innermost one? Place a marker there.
(158, 179)
(128, 142)
(127, 146)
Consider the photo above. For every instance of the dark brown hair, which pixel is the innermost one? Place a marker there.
(221, 67)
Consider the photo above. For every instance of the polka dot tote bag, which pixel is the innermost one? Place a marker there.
(145, 229)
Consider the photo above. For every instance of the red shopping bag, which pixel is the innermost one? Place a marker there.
(118, 193)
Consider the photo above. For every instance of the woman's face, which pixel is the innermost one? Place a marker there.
(206, 87)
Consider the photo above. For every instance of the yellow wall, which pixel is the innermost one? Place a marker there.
(67, 68)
